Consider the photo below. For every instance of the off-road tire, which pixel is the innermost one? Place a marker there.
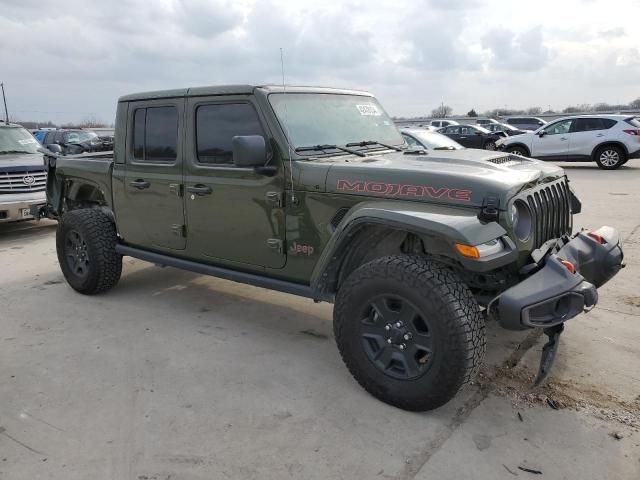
(455, 323)
(605, 155)
(490, 145)
(97, 233)
(518, 150)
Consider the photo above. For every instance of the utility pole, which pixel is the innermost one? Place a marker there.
(4, 99)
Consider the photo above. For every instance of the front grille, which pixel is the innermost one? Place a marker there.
(551, 209)
(24, 180)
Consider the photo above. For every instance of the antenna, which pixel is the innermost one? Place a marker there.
(6, 112)
(286, 132)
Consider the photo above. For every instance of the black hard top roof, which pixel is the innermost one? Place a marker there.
(234, 90)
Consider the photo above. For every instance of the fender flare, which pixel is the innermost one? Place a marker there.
(439, 227)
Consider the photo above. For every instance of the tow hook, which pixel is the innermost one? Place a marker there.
(549, 352)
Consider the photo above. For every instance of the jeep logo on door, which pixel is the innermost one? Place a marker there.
(28, 180)
(404, 190)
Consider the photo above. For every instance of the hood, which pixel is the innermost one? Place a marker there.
(21, 160)
(457, 177)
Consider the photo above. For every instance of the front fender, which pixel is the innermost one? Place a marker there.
(438, 226)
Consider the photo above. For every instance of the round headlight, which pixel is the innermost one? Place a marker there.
(521, 220)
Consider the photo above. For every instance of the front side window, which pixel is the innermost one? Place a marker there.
(311, 119)
(453, 130)
(155, 134)
(558, 128)
(216, 125)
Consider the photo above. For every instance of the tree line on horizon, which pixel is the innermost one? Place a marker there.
(443, 111)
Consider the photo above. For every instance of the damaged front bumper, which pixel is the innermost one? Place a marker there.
(561, 283)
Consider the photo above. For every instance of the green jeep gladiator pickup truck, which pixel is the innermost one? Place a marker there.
(312, 191)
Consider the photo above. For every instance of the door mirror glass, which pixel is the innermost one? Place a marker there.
(249, 151)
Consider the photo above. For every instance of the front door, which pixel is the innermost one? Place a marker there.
(234, 215)
(152, 214)
(554, 144)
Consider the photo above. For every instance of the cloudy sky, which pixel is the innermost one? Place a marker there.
(70, 59)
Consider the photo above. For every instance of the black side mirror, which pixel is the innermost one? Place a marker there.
(542, 133)
(249, 151)
(54, 148)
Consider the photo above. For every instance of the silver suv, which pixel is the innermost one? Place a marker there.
(22, 175)
(609, 140)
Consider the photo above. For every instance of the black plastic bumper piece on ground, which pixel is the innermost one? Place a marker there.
(549, 352)
(553, 295)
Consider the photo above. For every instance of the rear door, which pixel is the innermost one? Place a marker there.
(586, 134)
(152, 214)
(554, 144)
(453, 132)
(469, 137)
(234, 215)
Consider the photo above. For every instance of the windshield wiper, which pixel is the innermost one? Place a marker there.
(365, 143)
(329, 147)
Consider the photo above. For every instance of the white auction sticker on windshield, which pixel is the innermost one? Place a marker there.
(26, 141)
(369, 110)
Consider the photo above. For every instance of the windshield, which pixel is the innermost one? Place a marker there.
(435, 140)
(17, 140)
(79, 137)
(332, 119)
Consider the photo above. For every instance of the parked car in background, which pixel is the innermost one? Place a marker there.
(485, 121)
(74, 141)
(23, 177)
(504, 130)
(471, 136)
(443, 123)
(525, 123)
(609, 140)
(429, 140)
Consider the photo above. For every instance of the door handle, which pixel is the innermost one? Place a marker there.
(199, 189)
(140, 184)
(563, 138)
(600, 135)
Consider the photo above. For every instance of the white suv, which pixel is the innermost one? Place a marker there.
(609, 140)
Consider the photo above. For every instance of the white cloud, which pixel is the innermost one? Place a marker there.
(73, 58)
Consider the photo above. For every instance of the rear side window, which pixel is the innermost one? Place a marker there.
(155, 134)
(589, 124)
(634, 121)
(216, 125)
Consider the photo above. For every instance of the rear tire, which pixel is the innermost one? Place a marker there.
(85, 243)
(409, 331)
(610, 157)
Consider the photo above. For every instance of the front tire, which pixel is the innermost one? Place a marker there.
(518, 150)
(490, 145)
(409, 331)
(85, 243)
(610, 157)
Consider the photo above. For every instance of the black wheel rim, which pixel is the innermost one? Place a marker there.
(76, 253)
(396, 337)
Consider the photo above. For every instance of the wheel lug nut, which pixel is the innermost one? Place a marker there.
(398, 324)
(387, 327)
(407, 336)
(402, 346)
(388, 340)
